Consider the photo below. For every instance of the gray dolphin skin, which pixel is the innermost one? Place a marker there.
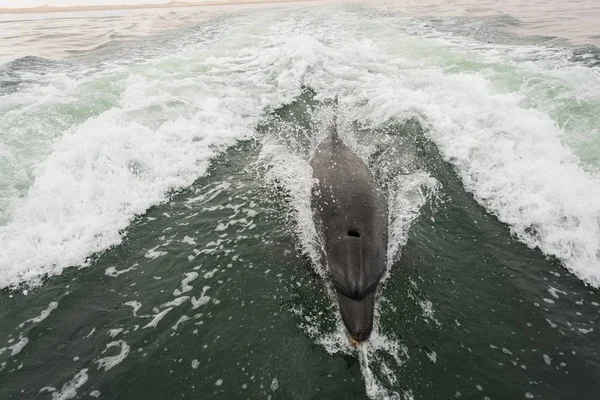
(351, 218)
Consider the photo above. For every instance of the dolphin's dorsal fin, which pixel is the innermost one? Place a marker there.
(333, 127)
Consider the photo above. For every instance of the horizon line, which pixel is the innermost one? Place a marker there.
(168, 4)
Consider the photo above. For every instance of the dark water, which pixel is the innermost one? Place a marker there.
(182, 178)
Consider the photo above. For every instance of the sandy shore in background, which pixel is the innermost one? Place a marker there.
(44, 9)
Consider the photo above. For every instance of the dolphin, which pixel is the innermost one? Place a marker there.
(351, 217)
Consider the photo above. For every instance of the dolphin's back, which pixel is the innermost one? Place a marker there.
(351, 216)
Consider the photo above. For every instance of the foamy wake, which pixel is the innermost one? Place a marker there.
(513, 161)
(170, 116)
(167, 123)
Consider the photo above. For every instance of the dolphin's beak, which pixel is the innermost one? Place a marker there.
(358, 315)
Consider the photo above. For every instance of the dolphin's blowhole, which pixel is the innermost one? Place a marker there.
(354, 233)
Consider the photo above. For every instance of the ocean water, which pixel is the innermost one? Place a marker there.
(156, 239)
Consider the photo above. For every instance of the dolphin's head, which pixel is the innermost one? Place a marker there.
(355, 273)
(357, 315)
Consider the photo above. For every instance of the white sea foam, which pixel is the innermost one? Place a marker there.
(109, 362)
(102, 172)
(136, 305)
(202, 300)
(185, 286)
(516, 147)
(112, 271)
(113, 333)
(513, 161)
(17, 347)
(69, 389)
(43, 315)
(554, 292)
(157, 318)
(181, 319)
(406, 198)
(295, 174)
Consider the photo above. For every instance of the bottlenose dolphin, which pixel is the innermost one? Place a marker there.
(351, 217)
